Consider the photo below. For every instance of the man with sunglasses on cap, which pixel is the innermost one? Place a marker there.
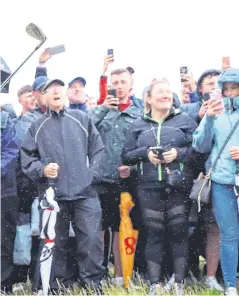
(37, 93)
(64, 146)
(40, 79)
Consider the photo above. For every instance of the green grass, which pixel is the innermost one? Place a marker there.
(140, 289)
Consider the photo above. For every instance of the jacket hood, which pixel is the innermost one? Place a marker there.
(231, 75)
(9, 109)
(204, 74)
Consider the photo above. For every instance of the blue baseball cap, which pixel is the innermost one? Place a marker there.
(80, 79)
(130, 70)
(39, 83)
(50, 81)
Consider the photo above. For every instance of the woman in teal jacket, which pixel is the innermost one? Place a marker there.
(209, 138)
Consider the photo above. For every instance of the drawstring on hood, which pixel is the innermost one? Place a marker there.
(231, 104)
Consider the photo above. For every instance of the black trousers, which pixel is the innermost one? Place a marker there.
(165, 213)
(9, 217)
(85, 215)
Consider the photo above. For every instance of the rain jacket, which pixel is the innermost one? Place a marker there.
(113, 127)
(70, 139)
(9, 154)
(173, 132)
(22, 124)
(26, 189)
(212, 133)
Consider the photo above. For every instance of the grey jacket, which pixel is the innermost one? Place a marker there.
(113, 127)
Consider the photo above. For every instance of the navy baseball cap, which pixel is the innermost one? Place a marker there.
(50, 81)
(130, 70)
(80, 79)
(39, 83)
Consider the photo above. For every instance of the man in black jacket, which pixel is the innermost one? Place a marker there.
(64, 146)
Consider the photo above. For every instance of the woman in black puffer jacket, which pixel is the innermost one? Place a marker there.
(164, 180)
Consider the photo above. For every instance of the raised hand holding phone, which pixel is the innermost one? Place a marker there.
(49, 52)
(226, 63)
(187, 77)
(56, 49)
(108, 60)
(215, 104)
(110, 54)
(111, 101)
(45, 56)
(216, 95)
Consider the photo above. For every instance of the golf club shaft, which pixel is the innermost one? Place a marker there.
(10, 77)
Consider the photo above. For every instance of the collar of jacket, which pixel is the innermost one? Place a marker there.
(29, 116)
(55, 113)
(41, 110)
(136, 101)
(147, 116)
(82, 107)
(132, 111)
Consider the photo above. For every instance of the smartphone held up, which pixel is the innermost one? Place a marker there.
(184, 70)
(112, 92)
(56, 49)
(226, 64)
(110, 54)
(184, 73)
(215, 97)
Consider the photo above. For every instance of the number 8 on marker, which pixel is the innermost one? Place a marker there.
(130, 243)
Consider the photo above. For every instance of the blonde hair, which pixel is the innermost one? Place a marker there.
(155, 82)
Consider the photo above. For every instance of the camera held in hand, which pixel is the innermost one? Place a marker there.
(159, 150)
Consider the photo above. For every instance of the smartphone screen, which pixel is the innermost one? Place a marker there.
(110, 51)
(206, 97)
(112, 92)
(216, 95)
(56, 49)
(183, 70)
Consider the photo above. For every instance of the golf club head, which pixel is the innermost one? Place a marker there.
(35, 32)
